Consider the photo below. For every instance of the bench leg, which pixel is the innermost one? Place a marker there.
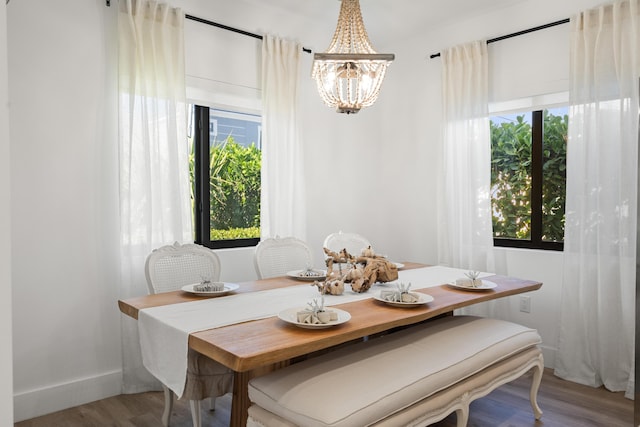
(462, 415)
(535, 385)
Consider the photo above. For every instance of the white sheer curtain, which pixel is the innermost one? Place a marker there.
(464, 213)
(598, 296)
(282, 201)
(154, 177)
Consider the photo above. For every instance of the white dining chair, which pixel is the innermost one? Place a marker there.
(275, 256)
(169, 268)
(354, 243)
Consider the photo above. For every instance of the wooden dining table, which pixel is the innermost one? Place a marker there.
(259, 346)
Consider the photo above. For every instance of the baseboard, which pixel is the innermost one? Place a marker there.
(34, 403)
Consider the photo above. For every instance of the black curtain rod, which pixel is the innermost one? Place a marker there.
(224, 27)
(519, 33)
(228, 28)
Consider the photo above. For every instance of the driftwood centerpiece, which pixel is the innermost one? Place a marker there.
(364, 271)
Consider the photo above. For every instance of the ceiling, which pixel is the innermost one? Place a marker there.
(397, 18)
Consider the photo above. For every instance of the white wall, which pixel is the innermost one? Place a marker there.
(374, 173)
(63, 236)
(6, 373)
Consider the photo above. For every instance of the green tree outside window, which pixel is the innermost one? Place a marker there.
(511, 175)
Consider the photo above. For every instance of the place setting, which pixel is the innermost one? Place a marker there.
(308, 274)
(207, 288)
(402, 297)
(472, 282)
(315, 315)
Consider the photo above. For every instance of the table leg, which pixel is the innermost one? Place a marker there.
(240, 403)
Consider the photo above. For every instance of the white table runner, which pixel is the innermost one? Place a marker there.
(164, 331)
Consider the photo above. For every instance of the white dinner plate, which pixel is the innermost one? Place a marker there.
(399, 265)
(291, 316)
(300, 274)
(486, 285)
(423, 299)
(228, 287)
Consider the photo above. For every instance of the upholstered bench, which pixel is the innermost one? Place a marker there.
(416, 376)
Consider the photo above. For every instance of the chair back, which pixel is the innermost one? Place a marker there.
(352, 242)
(170, 267)
(276, 256)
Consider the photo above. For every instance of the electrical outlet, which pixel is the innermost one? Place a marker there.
(525, 304)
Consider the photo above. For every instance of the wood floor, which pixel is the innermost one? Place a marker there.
(564, 404)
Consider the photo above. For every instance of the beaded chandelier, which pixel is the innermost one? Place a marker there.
(349, 74)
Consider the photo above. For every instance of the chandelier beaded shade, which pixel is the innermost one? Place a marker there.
(349, 74)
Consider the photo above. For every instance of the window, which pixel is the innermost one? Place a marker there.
(528, 173)
(225, 177)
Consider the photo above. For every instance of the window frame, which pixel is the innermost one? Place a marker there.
(537, 163)
(202, 226)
